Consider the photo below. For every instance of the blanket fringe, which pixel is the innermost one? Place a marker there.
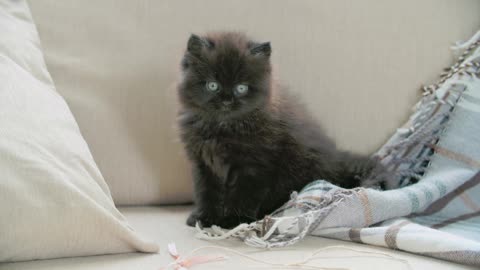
(265, 233)
(407, 155)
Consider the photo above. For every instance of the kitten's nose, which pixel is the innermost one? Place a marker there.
(227, 102)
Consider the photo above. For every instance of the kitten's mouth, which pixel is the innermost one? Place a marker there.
(226, 105)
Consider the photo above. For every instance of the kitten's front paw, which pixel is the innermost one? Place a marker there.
(206, 219)
(192, 219)
(230, 222)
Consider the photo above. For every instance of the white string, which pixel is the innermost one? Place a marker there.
(312, 257)
(218, 234)
(385, 255)
(466, 44)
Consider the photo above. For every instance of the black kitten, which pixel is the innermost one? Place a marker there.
(249, 142)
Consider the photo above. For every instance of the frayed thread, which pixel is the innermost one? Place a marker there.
(257, 235)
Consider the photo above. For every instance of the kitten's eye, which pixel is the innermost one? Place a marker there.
(212, 86)
(241, 89)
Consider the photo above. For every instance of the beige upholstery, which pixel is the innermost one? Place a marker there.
(165, 225)
(357, 64)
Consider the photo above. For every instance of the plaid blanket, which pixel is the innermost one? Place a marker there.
(432, 206)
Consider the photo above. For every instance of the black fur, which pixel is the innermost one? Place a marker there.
(250, 152)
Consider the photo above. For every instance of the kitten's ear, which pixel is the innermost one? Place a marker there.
(261, 49)
(196, 43)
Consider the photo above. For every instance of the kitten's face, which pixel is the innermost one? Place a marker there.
(225, 75)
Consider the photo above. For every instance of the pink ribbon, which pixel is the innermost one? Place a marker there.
(181, 263)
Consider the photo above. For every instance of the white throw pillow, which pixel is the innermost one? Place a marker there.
(54, 201)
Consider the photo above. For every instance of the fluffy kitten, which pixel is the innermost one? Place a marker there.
(249, 141)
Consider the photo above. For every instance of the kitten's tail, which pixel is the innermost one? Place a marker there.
(359, 171)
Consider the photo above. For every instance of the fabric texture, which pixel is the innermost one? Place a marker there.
(434, 160)
(166, 224)
(356, 65)
(54, 201)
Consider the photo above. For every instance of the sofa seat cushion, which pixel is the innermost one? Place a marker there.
(167, 224)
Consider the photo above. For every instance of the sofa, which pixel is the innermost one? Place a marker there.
(357, 65)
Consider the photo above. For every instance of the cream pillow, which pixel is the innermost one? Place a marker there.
(54, 201)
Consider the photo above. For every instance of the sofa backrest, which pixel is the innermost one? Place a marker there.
(358, 65)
